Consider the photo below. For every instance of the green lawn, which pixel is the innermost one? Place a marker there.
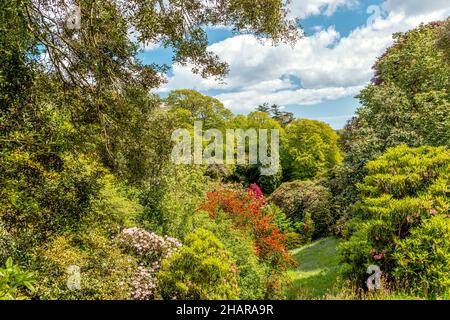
(316, 273)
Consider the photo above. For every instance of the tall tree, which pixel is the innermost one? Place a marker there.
(408, 102)
(309, 149)
(283, 117)
(191, 105)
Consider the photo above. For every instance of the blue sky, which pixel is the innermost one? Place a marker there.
(319, 77)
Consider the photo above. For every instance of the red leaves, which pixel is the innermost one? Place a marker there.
(246, 211)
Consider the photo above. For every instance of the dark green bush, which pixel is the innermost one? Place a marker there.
(299, 197)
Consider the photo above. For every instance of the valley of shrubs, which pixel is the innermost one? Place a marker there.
(99, 192)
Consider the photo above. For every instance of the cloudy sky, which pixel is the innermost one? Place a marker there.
(318, 77)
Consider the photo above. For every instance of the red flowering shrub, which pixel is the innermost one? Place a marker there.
(248, 213)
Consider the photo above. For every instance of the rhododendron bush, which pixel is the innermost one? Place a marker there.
(150, 249)
(402, 220)
(247, 210)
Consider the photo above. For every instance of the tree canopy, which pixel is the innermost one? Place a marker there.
(309, 148)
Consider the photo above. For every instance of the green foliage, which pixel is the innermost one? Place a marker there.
(306, 228)
(105, 272)
(283, 223)
(411, 81)
(189, 106)
(423, 258)
(112, 57)
(250, 173)
(202, 269)
(39, 198)
(251, 272)
(114, 208)
(294, 240)
(404, 188)
(443, 42)
(309, 149)
(136, 143)
(13, 280)
(299, 198)
(170, 206)
(17, 47)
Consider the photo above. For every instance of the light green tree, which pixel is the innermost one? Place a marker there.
(309, 149)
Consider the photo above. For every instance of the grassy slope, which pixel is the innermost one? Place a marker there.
(317, 271)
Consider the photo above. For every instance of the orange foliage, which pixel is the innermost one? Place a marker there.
(246, 210)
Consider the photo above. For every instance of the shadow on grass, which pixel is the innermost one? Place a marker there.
(317, 271)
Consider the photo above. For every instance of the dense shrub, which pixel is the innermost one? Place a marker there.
(298, 198)
(40, 197)
(201, 269)
(251, 272)
(423, 258)
(251, 174)
(169, 206)
(282, 221)
(305, 228)
(293, 240)
(106, 272)
(247, 213)
(403, 189)
(114, 208)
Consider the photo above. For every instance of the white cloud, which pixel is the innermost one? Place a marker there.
(416, 7)
(305, 8)
(246, 100)
(323, 66)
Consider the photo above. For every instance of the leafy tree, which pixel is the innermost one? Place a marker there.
(102, 47)
(407, 103)
(309, 149)
(443, 42)
(283, 117)
(190, 106)
(251, 173)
